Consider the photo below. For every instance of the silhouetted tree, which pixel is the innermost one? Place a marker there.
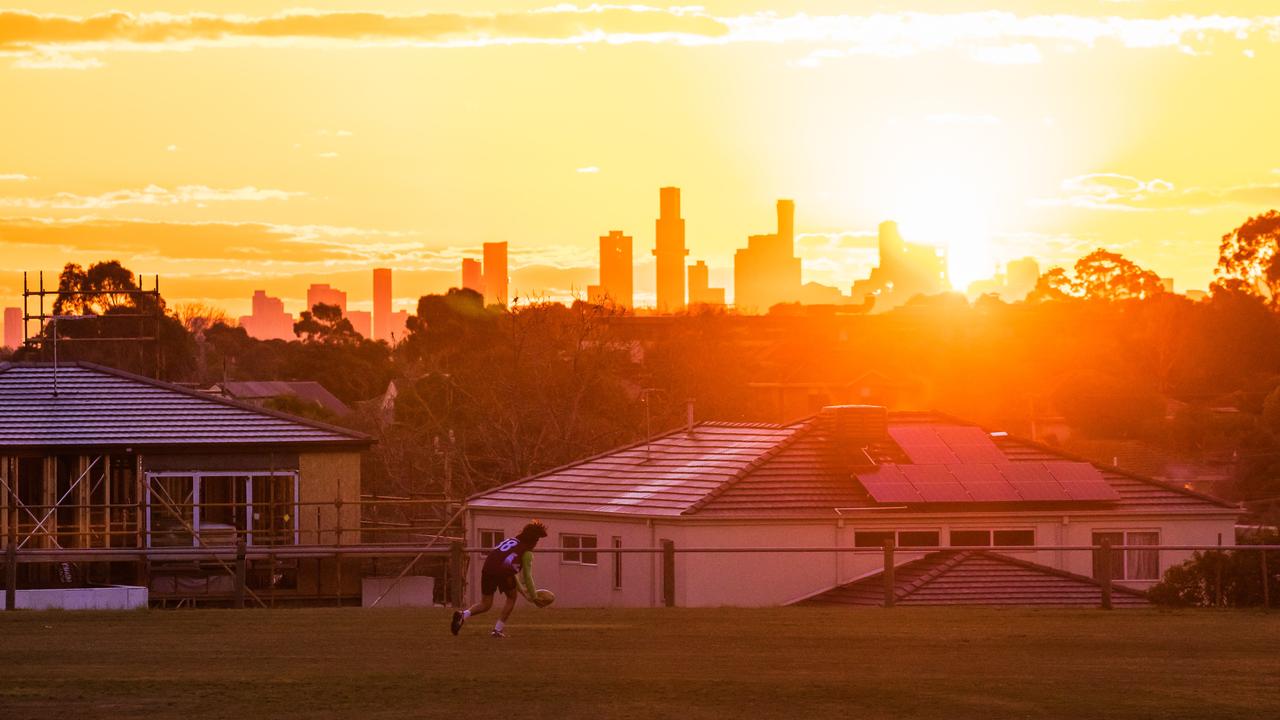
(1100, 275)
(325, 324)
(1249, 258)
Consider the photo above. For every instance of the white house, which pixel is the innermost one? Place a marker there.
(849, 476)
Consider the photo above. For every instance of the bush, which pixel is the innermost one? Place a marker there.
(1221, 578)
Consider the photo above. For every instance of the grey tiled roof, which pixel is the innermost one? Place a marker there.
(100, 407)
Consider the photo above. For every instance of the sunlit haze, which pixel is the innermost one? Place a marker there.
(261, 144)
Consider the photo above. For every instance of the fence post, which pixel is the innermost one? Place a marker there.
(888, 573)
(669, 573)
(240, 574)
(1105, 571)
(11, 574)
(1266, 583)
(456, 562)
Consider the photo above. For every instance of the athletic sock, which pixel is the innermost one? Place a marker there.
(466, 614)
(498, 626)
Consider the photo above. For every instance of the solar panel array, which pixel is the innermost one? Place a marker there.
(946, 444)
(987, 482)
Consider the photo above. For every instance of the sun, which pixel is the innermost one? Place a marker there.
(951, 213)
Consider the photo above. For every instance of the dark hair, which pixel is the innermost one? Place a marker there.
(533, 532)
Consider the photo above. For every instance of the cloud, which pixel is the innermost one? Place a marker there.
(1125, 193)
(328, 155)
(588, 169)
(14, 177)
(152, 195)
(74, 41)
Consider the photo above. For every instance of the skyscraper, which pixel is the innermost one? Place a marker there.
(381, 304)
(1023, 274)
(767, 271)
(700, 290)
(321, 293)
(12, 327)
(268, 320)
(905, 270)
(472, 275)
(670, 251)
(495, 273)
(361, 321)
(615, 271)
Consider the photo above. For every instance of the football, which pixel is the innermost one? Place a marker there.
(544, 597)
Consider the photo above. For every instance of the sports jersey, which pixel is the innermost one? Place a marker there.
(507, 558)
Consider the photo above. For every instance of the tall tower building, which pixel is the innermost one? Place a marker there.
(12, 327)
(615, 271)
(670, 251)
(381, 304)
(700, 290)
(472, 275)
(321, 293)
(767, 272)
(495, 273)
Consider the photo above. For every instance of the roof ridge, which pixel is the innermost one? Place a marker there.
(950, 559)
(208, 397)
(1000, 557)
(750, 467)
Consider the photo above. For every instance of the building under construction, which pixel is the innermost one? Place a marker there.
(112, 479)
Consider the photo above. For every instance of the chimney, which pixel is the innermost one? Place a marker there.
(850, 430)
(688, 410)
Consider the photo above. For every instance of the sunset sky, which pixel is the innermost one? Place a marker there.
(234, 145)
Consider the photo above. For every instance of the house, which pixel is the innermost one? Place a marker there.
(260, 392)
(99, 461)
(847, 477)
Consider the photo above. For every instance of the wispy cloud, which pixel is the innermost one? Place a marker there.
(1125, 193)
(69, 41)
(590, 169)
(14, 177)
(152, 195)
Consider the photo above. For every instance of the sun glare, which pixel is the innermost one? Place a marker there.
(950, 213)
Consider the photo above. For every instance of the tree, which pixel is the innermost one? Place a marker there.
(1249, 258)
(1100, 275)
(197, 317)
(325, 324)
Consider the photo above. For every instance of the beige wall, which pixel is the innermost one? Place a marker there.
(767, 579)
(324, 477)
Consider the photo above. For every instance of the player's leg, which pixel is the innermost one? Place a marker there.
(488, 586)
(507, 607)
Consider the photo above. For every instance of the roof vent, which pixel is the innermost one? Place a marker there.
(851, 429)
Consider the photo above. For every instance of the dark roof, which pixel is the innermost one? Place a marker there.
(303, 389)
(102, 407)
(977, 577)
(779, 471)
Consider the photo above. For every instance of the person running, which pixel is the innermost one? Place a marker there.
(509, 568)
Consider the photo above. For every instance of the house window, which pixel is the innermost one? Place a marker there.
(987, 538)
(1129, 564)
(901, 538)
(617, 564)
(218, 508)
(489, 539)
(577, 549)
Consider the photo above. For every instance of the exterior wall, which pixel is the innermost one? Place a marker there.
(768, 579)
(326, 477)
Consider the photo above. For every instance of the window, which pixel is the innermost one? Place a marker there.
(904, 538)
(489, 539)
(576, 549)
(1129, 564)
(219, 508)
(617, 564)
(987, 538)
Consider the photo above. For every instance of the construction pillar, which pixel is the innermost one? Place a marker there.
(11, 572)
(1105, 572)
(669, 573)
(241, 573)
(888, 573)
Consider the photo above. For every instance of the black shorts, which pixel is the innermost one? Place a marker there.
(489, 584)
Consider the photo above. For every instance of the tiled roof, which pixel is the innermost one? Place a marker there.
(101, 407)
(773, 471)
(670, 475)
(303, 389)
(977, 577)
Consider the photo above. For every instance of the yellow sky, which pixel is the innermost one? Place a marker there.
(245, 144)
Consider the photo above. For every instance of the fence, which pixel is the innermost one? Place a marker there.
(235, 558)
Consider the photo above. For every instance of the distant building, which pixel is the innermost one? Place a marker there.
(495, 273)
(670, 251)
(381, 305)
(1197, 295)
(615, 272)
(767, 271)
(1021, 275)
(322, 294)
(12, 327)
(362, 321)
(399, 322)
(472, 275)
(700, 290)
(905, 270)
(259, 392)
(268, 320)
(1167, 284)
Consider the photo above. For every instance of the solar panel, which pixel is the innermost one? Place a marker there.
(1033, 482)
(970, 444)
(922, 445)
(984, 483)
(935, 483)
(1082, 481)
(887, 484)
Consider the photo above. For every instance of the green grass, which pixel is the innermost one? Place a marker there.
(774, 663)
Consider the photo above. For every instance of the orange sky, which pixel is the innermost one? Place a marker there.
(238, 144)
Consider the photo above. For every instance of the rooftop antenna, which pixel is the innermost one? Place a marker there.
(688, 419)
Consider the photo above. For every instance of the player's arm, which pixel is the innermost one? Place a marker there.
(526, 576)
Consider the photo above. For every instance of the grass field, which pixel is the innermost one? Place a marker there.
(774, 663)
